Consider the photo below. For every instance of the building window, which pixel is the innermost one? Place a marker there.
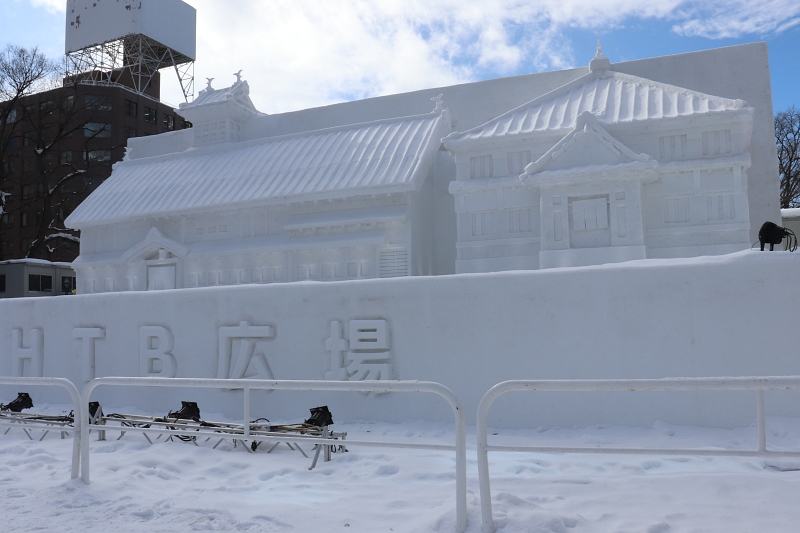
(150, 115)
(2, 283)
(185, 124)
(98, 102)
(26, 219)
(480, 167)
(9, 166)
(590, 214)
(169, 122)
(40, 283)
(46, 108)
(393, 263)
(716, 142)
(7, 247)
(7, 220)
(131, 108)
(482, 224)
(677, 210)
(519, 220)
(27, 192)
(68, 102)
(66, 157)
(97, 129)
(672, 146)
(98, 157)
(12, 117)
(129, 132)
(517, 161)
(30, 110)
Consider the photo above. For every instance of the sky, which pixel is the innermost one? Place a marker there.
(297, 54)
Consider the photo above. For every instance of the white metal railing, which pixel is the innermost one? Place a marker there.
(758, 384)
(460, 446)
(76, 409)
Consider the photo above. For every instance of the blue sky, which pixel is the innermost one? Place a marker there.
(298, 54)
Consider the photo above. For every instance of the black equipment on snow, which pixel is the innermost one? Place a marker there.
(320, 417)
(22, 401)
(188, 411)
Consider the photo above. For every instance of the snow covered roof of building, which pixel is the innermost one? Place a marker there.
(613, 97)
(238, 92)
(377, 157)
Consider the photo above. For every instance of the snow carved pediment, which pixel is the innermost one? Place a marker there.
(155, 246)
(587, 149)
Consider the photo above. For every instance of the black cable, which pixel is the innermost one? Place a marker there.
(791, 240)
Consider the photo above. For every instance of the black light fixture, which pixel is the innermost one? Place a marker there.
(772, 234)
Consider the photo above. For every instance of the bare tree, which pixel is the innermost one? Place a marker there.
(41, 125)
(787, 138)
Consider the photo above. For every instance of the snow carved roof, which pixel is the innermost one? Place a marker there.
(239, 92)
(378, 157)
(612, 97)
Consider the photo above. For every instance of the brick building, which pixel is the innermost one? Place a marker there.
(56, 147)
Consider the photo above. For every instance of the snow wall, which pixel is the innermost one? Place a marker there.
(725, 316)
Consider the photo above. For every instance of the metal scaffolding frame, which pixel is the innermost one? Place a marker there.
(136, 56)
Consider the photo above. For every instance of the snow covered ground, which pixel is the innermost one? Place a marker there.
(176, 487)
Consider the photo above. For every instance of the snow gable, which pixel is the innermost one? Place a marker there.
(587, 144)
(613, 97)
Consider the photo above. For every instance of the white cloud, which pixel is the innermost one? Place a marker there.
(738, 17)
(52, 6)
(303, 53)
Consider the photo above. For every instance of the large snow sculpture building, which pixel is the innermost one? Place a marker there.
(609, 167)
(203, 207)
(655, 158)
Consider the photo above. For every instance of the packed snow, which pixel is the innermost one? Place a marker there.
(178, 486)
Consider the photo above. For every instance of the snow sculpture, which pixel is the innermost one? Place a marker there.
(222, 204)
(244, 341)
(609, 167)
(367, 351)
(155, 352)
(34, 354)
(88, 337)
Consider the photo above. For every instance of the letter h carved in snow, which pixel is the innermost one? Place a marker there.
(34, 354)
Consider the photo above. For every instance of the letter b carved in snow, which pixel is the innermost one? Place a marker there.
(155, 357)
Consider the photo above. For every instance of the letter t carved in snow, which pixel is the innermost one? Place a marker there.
(88, 337)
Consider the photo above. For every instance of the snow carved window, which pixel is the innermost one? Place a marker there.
(480, 167)
(517, 161)
(717, 142)
(672, 147)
